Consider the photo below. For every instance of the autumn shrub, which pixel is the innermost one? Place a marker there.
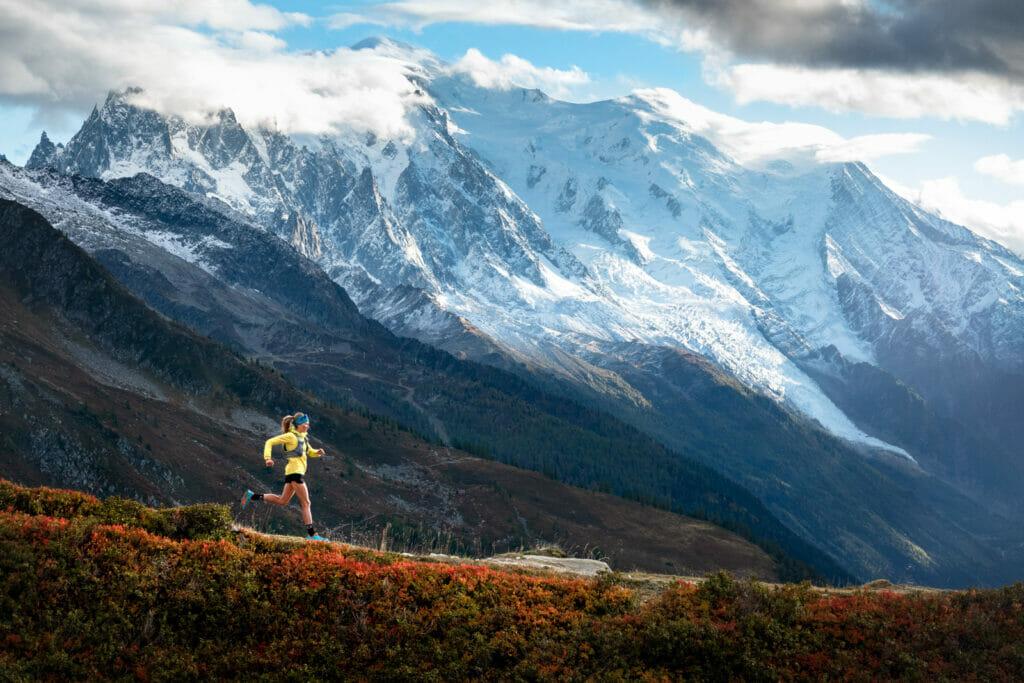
(192, 522)
(86, 600)
(46, 501)
(210, 609)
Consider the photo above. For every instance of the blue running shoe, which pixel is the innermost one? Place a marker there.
(246, 497)
(317, 537)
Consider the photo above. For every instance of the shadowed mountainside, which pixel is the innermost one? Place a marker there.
(114, 399)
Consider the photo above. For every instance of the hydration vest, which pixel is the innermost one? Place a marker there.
(300, 447)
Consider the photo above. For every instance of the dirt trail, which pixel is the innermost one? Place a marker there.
(435, 423)
(647, 585)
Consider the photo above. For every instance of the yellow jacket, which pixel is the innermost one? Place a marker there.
(290, 442)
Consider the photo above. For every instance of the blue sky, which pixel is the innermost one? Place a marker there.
(619, 49)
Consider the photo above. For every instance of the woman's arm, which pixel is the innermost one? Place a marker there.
(287, 440)
(314, 452)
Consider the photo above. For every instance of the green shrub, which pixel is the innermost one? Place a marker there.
(46, 501)
(205, 521)
(124, 511)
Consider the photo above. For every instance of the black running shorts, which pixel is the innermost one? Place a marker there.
(297, 478)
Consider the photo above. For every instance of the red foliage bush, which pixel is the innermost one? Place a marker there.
(85, 600)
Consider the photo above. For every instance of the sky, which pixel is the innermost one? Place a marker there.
(929, 92)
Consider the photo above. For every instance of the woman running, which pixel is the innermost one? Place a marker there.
(293, 443)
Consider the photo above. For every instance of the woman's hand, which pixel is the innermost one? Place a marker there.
(322, 452)
(269, 463)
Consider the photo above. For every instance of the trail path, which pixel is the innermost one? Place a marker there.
(647, 585)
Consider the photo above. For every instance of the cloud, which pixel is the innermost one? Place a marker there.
(753, 143)
(1002, 223)
(1002, 167)
(899, 35)
(900, 58)
(228, 15)
(194, 56)
(583, 15)
(343, 20)
(976, 97)
(870, 147)
(511, 71)
(258, 41)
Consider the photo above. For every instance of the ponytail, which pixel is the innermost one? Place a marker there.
(287, 420)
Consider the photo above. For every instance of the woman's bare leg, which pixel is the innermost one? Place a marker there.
(286, 494)
(303, 493)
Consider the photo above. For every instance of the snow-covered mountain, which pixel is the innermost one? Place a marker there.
(761, 269)
(589, 243)
(427, 213)
(819, 256)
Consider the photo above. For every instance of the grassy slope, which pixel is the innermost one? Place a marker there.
(174, 594)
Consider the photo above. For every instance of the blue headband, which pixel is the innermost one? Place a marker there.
(301, 420)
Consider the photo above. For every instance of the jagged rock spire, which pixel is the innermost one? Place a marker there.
(45, 153)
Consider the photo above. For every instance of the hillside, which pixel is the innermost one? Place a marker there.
(111, 589)
(845, 358)
(200, 264)
(118, 400)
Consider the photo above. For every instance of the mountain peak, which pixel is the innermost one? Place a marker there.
(225, 117)
(118, 106)
(374, 42)
(121, 97)
(44, 154)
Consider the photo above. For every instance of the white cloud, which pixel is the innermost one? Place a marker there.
(511, 71)
(1002, 167)
(752, 143)
(1003, 223)
(343, 20)
(870, 147)
(580, 15)
(64, 56)
(258, 41)
(966, 97)
(228, 15)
